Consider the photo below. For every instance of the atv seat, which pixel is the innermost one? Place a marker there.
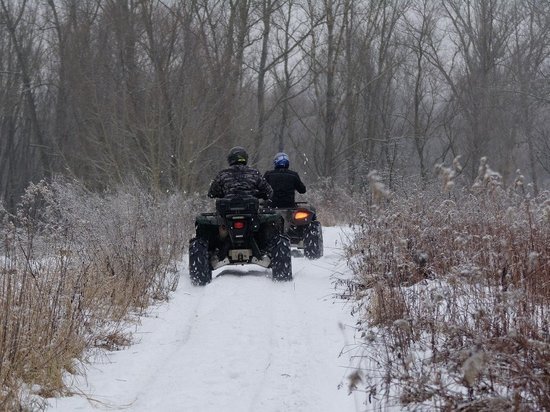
(241, 204)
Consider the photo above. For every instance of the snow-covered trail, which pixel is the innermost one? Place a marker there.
(241, 343)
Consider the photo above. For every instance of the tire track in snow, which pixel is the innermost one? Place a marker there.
(241, 343)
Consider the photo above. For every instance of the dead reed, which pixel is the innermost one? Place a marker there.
(454, 294)
(75, 268)
(335, 204)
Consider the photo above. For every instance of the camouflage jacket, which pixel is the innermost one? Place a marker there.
(240, 180)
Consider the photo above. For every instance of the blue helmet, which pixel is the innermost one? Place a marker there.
(280, 161)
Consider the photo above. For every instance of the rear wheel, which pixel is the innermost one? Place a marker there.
(199, 266)
(281, 259)
(313, 240)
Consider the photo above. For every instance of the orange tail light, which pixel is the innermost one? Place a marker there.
(301, 215)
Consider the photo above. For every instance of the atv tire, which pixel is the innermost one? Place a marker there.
(313, 240)
(281, 259)
(199, 266)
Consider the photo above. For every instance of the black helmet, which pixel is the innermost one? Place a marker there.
(237, 156)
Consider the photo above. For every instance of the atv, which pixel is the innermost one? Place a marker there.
(303, 229)
(239, 233)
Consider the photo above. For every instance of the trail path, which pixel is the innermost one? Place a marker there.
(241, 343)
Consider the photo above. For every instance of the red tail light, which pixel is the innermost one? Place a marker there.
(239, 224)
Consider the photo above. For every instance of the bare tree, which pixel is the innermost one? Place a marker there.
(324, 52)
(275, 61)
(267, 9)
(161, 30)
(19, 23)
(480, 30)
(530, 49)
(420, 28)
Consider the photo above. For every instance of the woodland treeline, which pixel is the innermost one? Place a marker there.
(157, 91)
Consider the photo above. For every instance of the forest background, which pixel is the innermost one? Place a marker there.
(156, 91)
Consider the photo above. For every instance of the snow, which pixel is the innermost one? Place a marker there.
(241, 343)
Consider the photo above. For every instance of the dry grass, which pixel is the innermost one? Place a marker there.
(454, 294)
(75, 268)
(334, 204)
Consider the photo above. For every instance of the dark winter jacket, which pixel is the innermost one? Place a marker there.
(240, 180)
(284, 182)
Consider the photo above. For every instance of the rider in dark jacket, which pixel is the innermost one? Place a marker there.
(239, 179)
(284, 182)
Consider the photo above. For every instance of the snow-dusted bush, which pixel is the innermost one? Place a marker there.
(454, 298)
(76, 267)
(335, 205)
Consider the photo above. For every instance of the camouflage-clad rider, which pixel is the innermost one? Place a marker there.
(239, 178)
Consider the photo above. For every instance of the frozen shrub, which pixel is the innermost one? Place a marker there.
(454, 295)
(378, 189)
(335, 204)
(75, 268)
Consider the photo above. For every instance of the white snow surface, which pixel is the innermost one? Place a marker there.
(241, 343)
